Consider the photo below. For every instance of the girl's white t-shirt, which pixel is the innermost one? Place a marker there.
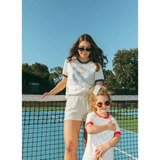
(90, 147)
(81, 76)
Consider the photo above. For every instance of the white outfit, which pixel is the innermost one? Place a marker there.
(90, 148)
(81, 78)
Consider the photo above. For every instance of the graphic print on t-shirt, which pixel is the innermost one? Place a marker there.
(80, 74)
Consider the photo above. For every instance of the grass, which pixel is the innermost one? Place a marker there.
(43, 108)
(50, 106)
(127, 122)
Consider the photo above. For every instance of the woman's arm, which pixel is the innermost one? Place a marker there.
(59, 87)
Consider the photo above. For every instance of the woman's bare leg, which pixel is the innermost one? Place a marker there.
(71, 133)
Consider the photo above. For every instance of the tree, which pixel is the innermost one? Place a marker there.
(26, 68)
(35, 73)
(125, 67)
(110, 80)
(55, 75)
(40, 70)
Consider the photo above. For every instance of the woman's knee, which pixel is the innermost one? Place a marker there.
(71, 132)
(71, 147)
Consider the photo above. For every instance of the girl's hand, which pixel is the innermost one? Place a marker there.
(110, 126)
(45, 94)
(100, 151)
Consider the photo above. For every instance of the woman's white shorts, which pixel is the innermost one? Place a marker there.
(76, 108)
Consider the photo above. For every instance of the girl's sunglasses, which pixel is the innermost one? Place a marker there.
(82, 49)
(100, 104)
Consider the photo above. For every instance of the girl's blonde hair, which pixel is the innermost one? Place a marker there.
(93, 98)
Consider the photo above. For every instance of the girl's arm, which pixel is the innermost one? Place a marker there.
(93, 129)
(59, 87)
(100, 150)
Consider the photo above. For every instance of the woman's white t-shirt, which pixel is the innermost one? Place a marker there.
(81, 76)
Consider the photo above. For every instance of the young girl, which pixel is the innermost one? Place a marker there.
(82, 70)
(99, 104)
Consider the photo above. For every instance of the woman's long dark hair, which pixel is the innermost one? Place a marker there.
(96, 55)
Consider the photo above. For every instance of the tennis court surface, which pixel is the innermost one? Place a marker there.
(42, 128)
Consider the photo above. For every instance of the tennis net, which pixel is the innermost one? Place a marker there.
(42, 127)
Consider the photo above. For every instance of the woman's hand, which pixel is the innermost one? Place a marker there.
(59, 87)
(46, 94)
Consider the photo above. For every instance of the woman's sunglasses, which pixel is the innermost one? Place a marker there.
(87, 49)
(100, 104)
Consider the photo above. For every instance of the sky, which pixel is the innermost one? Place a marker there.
(50, 28)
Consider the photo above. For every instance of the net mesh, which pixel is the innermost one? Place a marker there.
(42, 128)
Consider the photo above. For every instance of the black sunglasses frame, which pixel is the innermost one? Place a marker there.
(87, 49)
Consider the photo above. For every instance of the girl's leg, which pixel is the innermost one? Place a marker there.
(71, 132)
(84, 136)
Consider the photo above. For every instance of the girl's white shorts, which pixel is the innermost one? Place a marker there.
(76, 108)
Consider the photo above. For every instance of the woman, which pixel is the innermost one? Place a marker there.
(82, 70)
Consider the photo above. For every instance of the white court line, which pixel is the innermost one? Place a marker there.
(113, 147)
(129, 131)
(54, 116)
(126, 153)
